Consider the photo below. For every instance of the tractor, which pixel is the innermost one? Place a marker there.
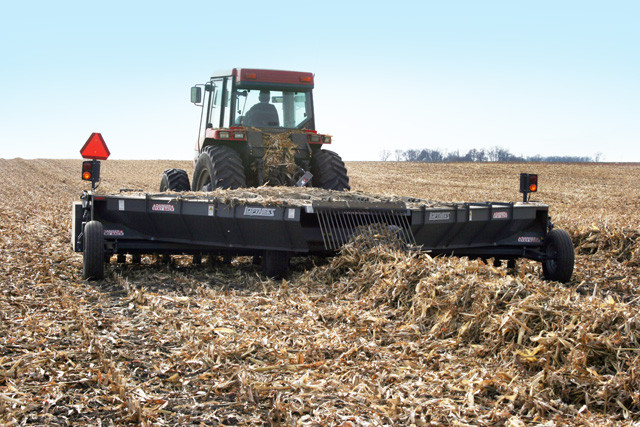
(257, 128)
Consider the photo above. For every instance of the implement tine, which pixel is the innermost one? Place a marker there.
(378, 220)
(334, 230)
(344, 232)
(323, 229)
(351, 222)
(363, 228)
(391, 219)
(338, 228)
(408, 232)
(337, 216)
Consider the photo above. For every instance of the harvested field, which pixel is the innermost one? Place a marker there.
(370, 337)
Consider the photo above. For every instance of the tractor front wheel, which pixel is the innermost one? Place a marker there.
(560, 256)
(174, 180)
(218, 166)
(329, 171)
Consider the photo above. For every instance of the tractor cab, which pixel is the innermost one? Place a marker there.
(256, 98)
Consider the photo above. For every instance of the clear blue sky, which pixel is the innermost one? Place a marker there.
(543, 77)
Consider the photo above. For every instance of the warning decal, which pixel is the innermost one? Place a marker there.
(162, 207)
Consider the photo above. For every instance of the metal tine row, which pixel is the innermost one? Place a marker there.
(323, 229)
(408, 235)
(338, 227)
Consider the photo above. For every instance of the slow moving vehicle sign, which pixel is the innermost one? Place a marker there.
(95, 148)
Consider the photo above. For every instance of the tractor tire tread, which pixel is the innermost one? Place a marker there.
(174, 180)
(226, 169)
(562, 267)
(93, 251)
(329, 171)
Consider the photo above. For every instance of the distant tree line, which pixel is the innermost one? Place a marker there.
(495, 154)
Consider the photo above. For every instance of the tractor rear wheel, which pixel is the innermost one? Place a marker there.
(560, 256)
(329, 171)
(174, 180)
(275, 264)
(218, 166)
(93, 251)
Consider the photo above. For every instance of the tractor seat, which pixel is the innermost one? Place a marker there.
(261, 115)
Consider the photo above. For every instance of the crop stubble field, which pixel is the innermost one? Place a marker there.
(366, 338)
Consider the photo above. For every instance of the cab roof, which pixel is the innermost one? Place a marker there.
(257, 77)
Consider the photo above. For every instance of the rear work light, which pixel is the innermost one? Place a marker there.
(228, 134)
(528, 184)
(318, 139)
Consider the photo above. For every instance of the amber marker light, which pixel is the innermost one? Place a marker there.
(528, 184)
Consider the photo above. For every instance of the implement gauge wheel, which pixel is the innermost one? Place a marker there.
(174, 180)
(218, 166)
(93, 252)
(329, 171)
(560, 256)
(275, 264)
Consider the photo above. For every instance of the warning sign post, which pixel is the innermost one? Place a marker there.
(94, 149)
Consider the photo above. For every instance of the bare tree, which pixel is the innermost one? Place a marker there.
(412, 155)
(493, 154)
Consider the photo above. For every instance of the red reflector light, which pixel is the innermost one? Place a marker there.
(305, 79)
(250, 76)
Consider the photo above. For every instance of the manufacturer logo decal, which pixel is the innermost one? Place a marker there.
(528, 239)
(259, 211)
(500, 215)
(113, 232)
(162, 207)
(439, 216)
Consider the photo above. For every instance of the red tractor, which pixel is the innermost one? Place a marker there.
(257, 127)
